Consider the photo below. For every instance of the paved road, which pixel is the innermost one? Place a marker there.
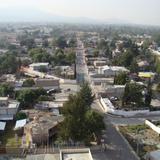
(117, 148)
(81, 67)
(129, 121)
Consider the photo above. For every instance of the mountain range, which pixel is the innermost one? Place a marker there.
(32, 15)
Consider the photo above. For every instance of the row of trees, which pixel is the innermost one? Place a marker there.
(81, 124)
(59, 57)
(26, 97)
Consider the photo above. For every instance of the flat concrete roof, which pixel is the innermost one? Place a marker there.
(4, 98)
(38, 64)
(43, 157)
(75, 154)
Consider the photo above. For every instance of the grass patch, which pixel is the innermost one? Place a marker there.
(8, 138)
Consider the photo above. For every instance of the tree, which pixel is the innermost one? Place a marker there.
(26, 97)
(133, 94)
(95, 122)
(61, 42)
(45, 43)
(126, 58)
(96, 53)
(120, 79)
(74, 110)
(6, 89)
(157, 38)
(25, 62)
(158, 66)
(134, 67)
(71, 57)
(39, 55)
(72, 42)
(21, 115)
(8, 64)
(80, 123)
(86, 94)
(27, 41)
(28, 83)
(148, 98)
(39, 92)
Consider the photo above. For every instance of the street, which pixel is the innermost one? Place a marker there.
(117, 147)
(81, 67)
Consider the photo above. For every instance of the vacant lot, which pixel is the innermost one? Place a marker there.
(141, 138)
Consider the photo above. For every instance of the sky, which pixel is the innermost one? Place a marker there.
(129, 11)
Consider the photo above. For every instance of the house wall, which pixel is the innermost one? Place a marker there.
(47, 83)
(8, 111)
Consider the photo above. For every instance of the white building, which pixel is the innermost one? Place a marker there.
(38, 66)
(110, 71)
(8, 108)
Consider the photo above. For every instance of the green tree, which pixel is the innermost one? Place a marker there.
(27, 41)
(8, 64)
(74, 111)
(120, 79)
(86, 94)
(126, 58)
(148, 98)
(72, 42)
(71, 57)
(134, 67)
(26, 97)
(94, 121)
(21, 115)
(39, 55)
(80, 123)
(157, 38)
(6, 89)
(28, 83)
(40, 92)
(158, 66)
(61, 42)
(133, 94)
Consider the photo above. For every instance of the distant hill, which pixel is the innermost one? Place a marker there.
(32, 15)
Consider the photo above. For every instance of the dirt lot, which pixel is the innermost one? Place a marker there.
(141, 138)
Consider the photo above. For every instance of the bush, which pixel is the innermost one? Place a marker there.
(20, 116)
(28, 83)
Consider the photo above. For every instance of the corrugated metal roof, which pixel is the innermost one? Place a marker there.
(20, 123)
(2, 126)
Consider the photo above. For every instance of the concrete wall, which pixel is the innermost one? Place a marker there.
(152, 126)
(109, 108)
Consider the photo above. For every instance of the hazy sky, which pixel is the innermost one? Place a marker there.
(134, 11)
